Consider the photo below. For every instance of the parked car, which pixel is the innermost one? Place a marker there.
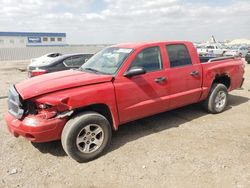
(60, 63)
(247, 58)
(211, 50)
(237, 51)
(122, 83)
(45, 58)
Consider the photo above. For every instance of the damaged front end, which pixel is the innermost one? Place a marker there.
(39, 119)
(53, 107)
(46, 109)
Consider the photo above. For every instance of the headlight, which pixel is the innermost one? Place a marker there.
(43, 106)
(46, 111)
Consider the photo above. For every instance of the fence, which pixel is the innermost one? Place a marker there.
(10, 54)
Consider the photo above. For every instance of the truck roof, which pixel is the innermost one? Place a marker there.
(145, 44)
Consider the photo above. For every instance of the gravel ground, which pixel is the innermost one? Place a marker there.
(181, 148)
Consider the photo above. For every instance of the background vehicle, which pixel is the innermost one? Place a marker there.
(120, 84)
(211, 50)
(247, 57)
(45, 58)
(237, 51)
(60, 63)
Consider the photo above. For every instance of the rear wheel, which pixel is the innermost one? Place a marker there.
(216, 101)
(86, 136)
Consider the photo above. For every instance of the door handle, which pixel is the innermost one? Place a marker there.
(160, 79)
(194, 73)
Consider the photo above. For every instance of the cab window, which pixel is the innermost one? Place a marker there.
(178, 55)
(149, 59)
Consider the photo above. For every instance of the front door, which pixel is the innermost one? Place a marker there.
(144, 94)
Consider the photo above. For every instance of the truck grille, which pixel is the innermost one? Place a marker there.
(15, 106)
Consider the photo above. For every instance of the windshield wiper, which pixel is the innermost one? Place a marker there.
(92, 70)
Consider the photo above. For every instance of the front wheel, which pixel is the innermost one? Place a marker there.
(216, 101)
(86, 136)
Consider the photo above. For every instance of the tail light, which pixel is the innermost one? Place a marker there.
(36, 72)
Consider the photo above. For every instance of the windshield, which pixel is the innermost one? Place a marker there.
(107, 61)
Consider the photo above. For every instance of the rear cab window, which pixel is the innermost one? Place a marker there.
(178, 55)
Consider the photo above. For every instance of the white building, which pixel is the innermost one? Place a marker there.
(240, 42)
(25, 39)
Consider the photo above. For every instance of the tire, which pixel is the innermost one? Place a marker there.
(86, 136)
(216, 101)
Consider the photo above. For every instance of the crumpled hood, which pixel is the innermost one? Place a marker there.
(52, 82)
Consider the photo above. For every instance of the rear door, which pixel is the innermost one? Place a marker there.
(74, 62)
(57, 66)
(184, 76)
(71, 62)
(144, 94)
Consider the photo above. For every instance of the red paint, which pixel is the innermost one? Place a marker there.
(39, 130)
(127, 98)
(58, 81)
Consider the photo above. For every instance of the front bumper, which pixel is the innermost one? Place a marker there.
(36, 129)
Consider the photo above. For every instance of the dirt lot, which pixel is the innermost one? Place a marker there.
(181, 148)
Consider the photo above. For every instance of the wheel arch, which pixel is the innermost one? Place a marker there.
(100, 108)
(215, 79)
(222, 79)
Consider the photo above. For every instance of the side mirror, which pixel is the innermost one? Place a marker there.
(135, 71)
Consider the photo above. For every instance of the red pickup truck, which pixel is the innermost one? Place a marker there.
(119, 84)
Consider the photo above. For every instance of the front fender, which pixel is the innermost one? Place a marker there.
(80, 97)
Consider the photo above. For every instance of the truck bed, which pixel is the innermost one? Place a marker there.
(205, 59)
(230, 67)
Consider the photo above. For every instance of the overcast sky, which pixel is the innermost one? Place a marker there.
(115, 21)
